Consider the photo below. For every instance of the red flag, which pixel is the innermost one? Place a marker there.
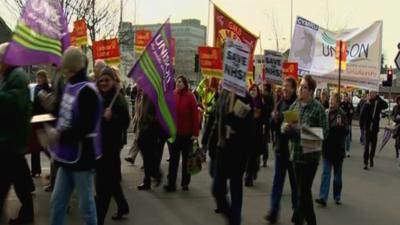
(226, 27)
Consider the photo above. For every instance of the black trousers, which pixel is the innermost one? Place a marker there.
(14, 171)
(108, 186)
(151, 147)
(233, 208)
(36, 167)
(253, 166)
(182, 145)
(304, 210)
(371, 139)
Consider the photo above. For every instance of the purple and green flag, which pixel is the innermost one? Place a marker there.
(41, 34)
(154, 73)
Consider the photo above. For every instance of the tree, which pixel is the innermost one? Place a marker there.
(100, 15)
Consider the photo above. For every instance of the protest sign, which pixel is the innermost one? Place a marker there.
(236, 61)
(273, 66)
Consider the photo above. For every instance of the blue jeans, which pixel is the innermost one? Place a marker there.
(66, 181)
(348, 139)
(326, 180)
(281, 166)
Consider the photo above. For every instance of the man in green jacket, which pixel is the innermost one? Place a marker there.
(15, 114)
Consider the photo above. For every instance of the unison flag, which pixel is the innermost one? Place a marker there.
(154, 73)
(41, 35)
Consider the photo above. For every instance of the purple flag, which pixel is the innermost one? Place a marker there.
(41, 35)
(154, 73)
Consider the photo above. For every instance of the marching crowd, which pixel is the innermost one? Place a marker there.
(91, 130)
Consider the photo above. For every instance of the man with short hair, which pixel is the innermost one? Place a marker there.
(15, 112)
(369, 122)
(77, 140)
(348, 108)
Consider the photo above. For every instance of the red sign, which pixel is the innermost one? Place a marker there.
(341, 54)
(143, 37)
(79, 35)
(227, 27)
(107, 50)
(291, 69)
(210, 61)
(72, 39)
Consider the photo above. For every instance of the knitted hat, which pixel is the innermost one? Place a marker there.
(107, 71)
(73, 59)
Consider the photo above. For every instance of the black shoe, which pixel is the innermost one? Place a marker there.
(371, 163)
(321, 202)
(185, 188)
(272, 218)
(169, 188)
(143, 186)
(119, 215)
(249, 183)
(35, 175)
(21, 220)
(130, 160)
(365, 167)
(221, 211)
(48, 188)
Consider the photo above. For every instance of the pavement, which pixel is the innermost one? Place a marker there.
(369, 197)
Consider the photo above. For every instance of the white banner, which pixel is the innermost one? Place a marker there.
(236, 60)
(314, 47)
(273, 66)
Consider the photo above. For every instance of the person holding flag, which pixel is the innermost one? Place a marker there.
(14, 134)
(157, 120)
(76, 140)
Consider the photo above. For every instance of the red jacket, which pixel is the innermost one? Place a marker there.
(187, 113)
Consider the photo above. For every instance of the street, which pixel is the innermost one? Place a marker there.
(369, 197)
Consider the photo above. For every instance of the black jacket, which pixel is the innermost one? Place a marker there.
(371, 114)
(282, 147)
(112, 135)
(334, 144)
(349, 110)
(232, 153)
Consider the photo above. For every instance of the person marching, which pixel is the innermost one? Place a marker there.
(14, 133)
(282, 161)
(369, 123)
(187, 132)
(312, 114)
(333, 152)
(76, 140)
(114, 123)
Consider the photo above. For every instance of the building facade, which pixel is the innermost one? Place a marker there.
(126, 45)
(189, 35)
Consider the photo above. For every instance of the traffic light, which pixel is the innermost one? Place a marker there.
(196, 63)
(389, 77)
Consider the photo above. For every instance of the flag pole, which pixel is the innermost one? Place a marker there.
(208, 23)
(340, 64)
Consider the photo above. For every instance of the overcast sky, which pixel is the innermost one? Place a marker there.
(256, 15)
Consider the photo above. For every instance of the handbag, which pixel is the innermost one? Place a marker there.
(195, 159)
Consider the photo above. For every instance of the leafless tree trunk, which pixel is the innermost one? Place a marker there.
(275, 31)
(101, 17)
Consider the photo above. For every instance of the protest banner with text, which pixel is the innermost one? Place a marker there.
(236, 62)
